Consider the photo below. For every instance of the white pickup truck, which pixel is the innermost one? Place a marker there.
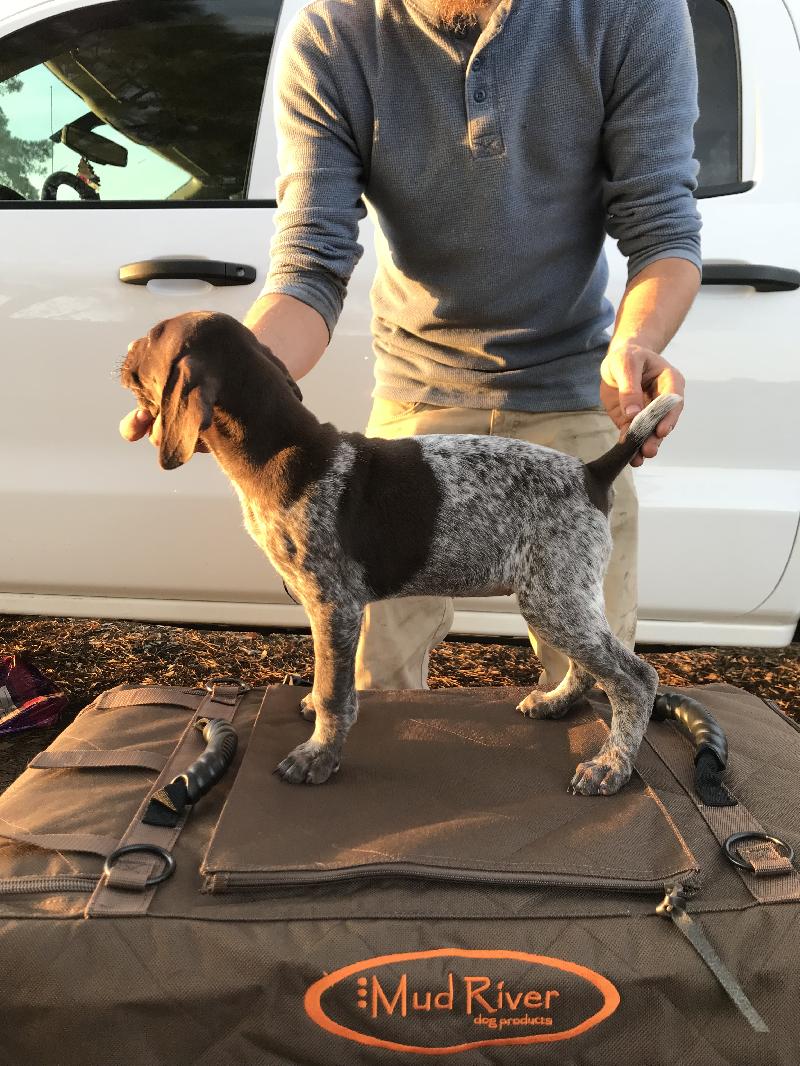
(137, 176)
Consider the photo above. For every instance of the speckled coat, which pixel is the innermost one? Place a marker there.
(347, 520)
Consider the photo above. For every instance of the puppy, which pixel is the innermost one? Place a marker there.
(347, 520)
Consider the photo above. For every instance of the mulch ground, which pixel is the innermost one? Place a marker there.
(86, 656)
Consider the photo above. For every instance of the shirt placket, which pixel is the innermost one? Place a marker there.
(481, 98)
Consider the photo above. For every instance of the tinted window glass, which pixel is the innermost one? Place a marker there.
(717, 133)
(140, 99)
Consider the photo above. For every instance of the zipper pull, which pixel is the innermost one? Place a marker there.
(672, 906)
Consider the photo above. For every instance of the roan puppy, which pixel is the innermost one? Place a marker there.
(346, 520)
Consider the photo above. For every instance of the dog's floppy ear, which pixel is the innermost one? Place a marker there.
(289, 379)
(187, 403)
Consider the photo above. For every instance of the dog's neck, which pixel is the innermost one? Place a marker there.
(264, 439)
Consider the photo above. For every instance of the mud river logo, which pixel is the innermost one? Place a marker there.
(448, 1000)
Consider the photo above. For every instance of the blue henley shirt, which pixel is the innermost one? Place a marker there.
(494, 162)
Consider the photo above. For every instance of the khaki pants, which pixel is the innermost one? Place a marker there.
(398, 634)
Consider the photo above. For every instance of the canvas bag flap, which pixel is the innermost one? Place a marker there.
(446, 785)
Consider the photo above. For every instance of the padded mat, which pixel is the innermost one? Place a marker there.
(444, 784)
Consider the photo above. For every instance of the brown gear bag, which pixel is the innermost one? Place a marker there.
(443, 896)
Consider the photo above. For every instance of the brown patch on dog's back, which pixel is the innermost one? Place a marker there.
(388, 511)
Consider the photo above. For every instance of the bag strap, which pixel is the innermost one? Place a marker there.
(766, 867)
(90, 843)
(63, 759)
(150, 695)
(127, 887)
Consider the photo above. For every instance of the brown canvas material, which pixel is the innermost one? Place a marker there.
(233, 977)
(442, 785)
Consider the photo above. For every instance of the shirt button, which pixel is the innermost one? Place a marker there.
(477, 63)
(479, 96)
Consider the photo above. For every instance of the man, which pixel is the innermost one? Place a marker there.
(497, 142)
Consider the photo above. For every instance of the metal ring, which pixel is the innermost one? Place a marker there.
(736, 838)
(151, 849)
(212, 683)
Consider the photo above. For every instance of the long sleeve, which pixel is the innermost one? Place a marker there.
(315, 247)
(648, 140)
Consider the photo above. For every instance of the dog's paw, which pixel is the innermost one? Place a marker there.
(537, 705)
(309, 764)
(602, 776)
(307, 708)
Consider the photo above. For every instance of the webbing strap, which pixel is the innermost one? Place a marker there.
(91, 843)
(123, 890)
(672, 907)
(151, 694)
(774, 878)
(135, 758)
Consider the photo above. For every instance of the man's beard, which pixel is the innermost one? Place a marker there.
(460, 14)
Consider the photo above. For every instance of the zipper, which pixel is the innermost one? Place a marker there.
(221, 882)
(672, 908)
(12, 886)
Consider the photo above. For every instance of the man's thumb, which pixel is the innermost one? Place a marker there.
(135, 424)
(629, 385)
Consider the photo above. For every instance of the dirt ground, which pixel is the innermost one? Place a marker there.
(85, 656)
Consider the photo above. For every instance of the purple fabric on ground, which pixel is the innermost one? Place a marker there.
(27, 699)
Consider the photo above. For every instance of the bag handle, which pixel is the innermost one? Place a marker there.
(708, 740)
(766, 864)
(168, 804)
(134, 871)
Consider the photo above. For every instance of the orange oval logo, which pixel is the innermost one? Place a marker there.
(449, 1000)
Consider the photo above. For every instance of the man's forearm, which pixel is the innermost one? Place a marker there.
(655, 304)
(292, 330)
(634, 371)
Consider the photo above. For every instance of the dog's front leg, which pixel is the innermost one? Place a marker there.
(335, 631)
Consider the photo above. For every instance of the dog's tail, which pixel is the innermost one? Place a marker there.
(605, 470)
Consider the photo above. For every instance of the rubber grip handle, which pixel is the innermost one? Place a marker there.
(696, 722)
(221, 743)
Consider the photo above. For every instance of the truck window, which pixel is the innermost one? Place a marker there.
(718, 130)
(135, 100)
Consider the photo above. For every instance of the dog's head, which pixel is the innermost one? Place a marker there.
(186, 365)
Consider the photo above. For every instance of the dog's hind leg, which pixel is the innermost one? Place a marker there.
(333, 698)
(578, 680)
(630, 684)
(557, 702)
(580, 630)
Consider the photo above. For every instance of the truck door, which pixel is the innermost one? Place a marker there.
(127, 135)
(720, 505)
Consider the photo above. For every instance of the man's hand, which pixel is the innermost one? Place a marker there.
(139, 423)
(630, 377)
(634, 372)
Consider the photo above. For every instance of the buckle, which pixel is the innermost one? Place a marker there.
(784, 849)
(233, 682)
(229, 698)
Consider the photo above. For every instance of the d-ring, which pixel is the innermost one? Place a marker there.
(786, 850)
(151, 849)
(211, 683)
